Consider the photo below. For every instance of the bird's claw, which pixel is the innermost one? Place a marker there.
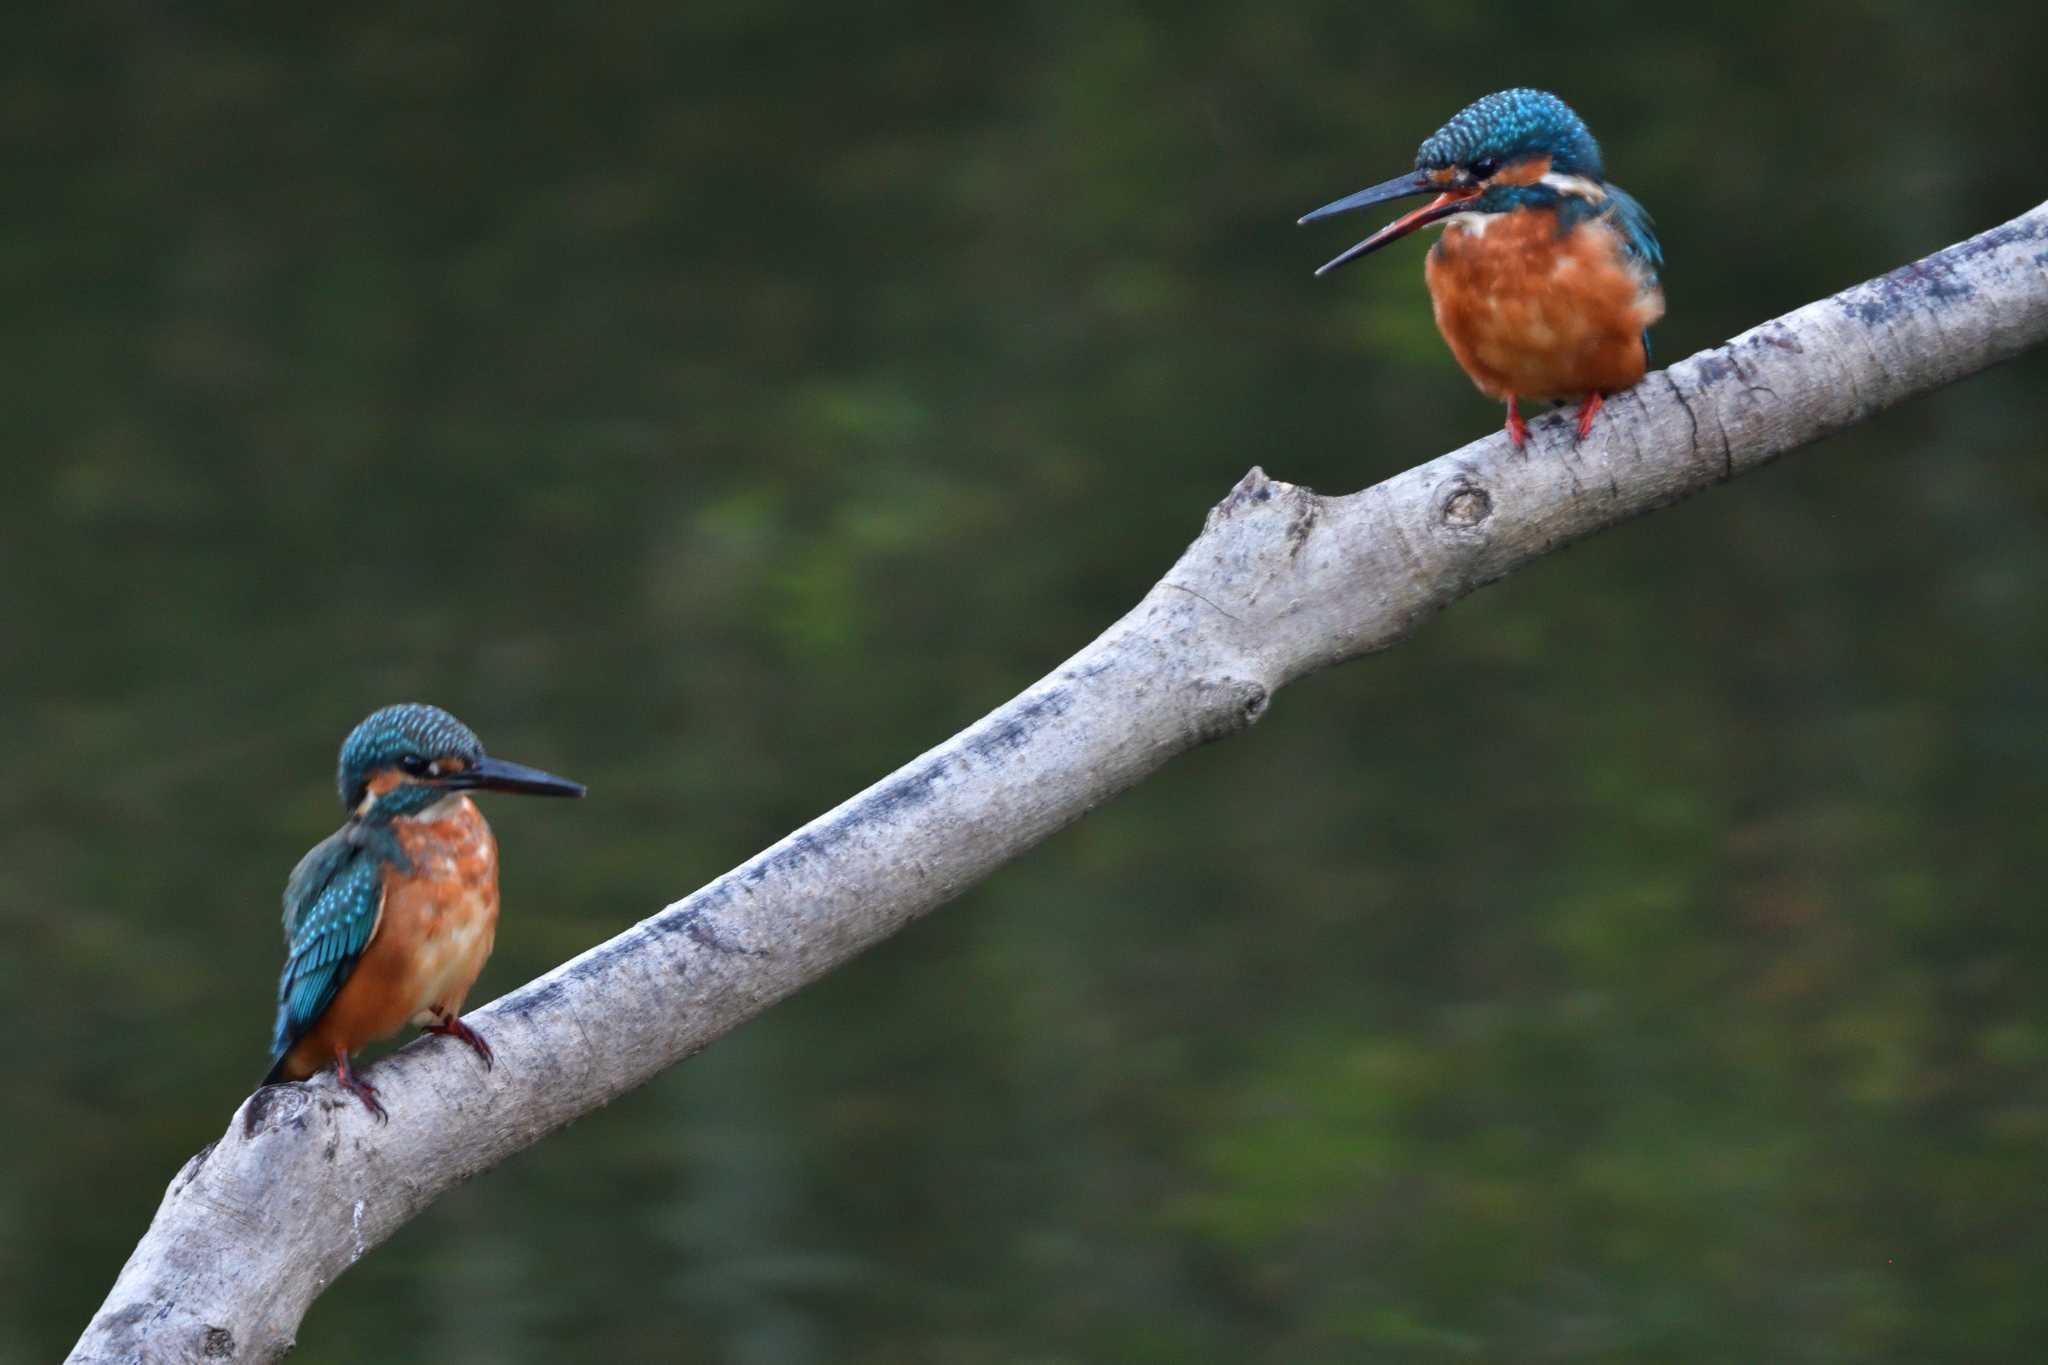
(1588, 410)
(360, 1088)
(453, 1027)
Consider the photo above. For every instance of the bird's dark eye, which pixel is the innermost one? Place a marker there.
(413, 764)
(1484, 169)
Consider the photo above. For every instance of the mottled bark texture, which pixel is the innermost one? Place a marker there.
(1281, 582)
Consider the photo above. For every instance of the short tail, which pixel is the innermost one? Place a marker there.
(281, 1040)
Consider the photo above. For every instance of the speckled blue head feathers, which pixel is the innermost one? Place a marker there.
(1509, 125)
(410, 735)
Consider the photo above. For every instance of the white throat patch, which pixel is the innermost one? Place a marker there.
(1575, 185)
(446, 808)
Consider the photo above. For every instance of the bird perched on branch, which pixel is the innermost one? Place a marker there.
(388, 920)
(1545, 279)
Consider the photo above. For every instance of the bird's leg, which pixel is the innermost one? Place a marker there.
(357, 1086)
(1588, 410)
(1518, 430)
(453, 1027)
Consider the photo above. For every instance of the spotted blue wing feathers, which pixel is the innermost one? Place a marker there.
(331, 904)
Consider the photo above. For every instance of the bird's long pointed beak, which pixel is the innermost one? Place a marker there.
(1446, 203)
(495, 774)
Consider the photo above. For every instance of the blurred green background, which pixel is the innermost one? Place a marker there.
(721, 403)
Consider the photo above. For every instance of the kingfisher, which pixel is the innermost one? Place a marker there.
(388, 920)
(1544, 281)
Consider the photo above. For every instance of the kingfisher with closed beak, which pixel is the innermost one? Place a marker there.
(1545, 279)
(388, 920)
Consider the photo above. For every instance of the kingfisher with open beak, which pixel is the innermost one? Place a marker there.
(388, 920)
(1545, 278)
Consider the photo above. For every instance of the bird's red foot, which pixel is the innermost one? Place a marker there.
(1588, 410)
(357, 1086)
(1518, 430)
(455, 1028)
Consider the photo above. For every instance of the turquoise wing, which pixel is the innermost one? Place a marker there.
(331, 904)
(1638, 232)
(1638, 236)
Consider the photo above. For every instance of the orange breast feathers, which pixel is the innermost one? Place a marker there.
(433, 935)
(1529, 314)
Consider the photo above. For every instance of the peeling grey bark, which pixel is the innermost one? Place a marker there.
(1281, 582)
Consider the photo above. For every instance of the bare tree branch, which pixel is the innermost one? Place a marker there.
(1281, 582)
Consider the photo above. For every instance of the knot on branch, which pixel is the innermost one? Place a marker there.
(1255, 490)
(273, 1107)
(1462, 503)
(1227, 706)
(1251, 490)
(1257, 494)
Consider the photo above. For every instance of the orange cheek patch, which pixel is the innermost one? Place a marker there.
(1523, 172)
(384, 779)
